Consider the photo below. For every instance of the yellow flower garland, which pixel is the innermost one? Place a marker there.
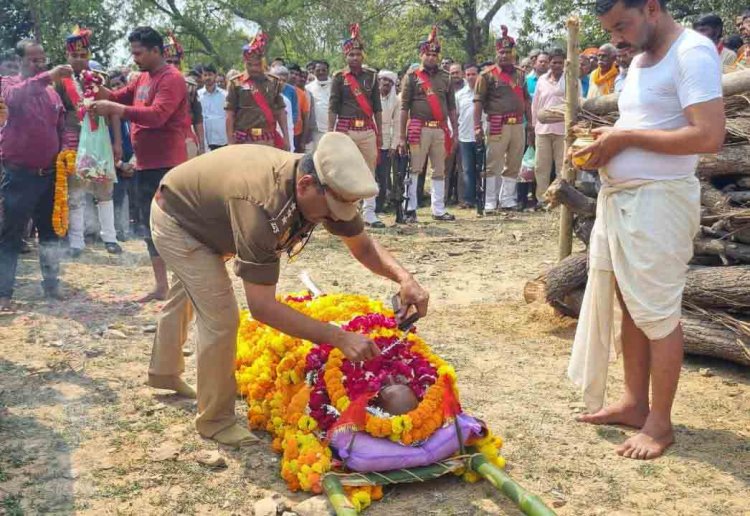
(65, 165)
(271, 375)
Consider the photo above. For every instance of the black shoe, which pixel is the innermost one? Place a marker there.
(378, 224)
(113, 247)
(444, 217)
(121, 236)
(75, 253)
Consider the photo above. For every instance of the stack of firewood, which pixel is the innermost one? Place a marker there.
(716, 303)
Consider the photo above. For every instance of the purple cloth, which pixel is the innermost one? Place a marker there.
(31, 137)
(364, 453)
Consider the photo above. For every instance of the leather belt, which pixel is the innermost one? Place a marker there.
(41, 172)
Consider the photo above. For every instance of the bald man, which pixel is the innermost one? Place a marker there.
(603, 78)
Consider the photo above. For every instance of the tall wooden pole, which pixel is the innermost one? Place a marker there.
(572, 71)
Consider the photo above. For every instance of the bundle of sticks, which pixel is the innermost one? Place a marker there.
(716, 304)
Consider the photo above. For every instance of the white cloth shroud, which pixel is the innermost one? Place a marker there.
(642, 241)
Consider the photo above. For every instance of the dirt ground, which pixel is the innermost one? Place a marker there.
(80, 433)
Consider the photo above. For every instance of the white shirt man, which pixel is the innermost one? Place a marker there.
(648, 212)
(320, 91)
(465, 108)
(214, 116)
(391, 113)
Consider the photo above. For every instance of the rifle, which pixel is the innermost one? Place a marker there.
(481, 181)
(401, 185)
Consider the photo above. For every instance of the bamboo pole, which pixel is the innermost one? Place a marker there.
(572, 72)
(530, 504)
(335, 492)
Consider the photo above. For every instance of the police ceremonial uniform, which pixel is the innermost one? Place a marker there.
(250, 124)
(235, 201)
(428, 98)
(354, 104)
(71, 91)
(501, 94)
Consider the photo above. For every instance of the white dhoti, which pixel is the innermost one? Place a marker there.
(641, 242)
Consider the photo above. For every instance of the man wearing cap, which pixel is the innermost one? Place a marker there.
(427, 105)
(391, 133)
(71, 91)
(254, 105)
(256, 203)
(500, 93)
(354, 108)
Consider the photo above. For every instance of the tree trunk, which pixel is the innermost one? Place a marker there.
(731, 160)
(726, 288)
(732, 84)
(561, 286)
(706, 337)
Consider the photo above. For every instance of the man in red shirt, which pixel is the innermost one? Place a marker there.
(156, 105)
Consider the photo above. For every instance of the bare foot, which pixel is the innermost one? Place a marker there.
(651, 442)
(155, 295)
(620, 413)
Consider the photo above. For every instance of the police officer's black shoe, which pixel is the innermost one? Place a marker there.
(445, 217)
(411, 217)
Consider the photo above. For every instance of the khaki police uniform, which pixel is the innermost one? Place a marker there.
(77, 187)
(248, 117)
(432, 138)
(504, 150)
(235, 201)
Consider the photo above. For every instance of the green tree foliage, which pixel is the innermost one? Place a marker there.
(50, 21)
(544, 20)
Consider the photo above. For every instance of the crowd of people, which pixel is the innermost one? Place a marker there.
(473, 128)
(370, 137)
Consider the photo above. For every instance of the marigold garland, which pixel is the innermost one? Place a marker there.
(65, 165)
(296, 391)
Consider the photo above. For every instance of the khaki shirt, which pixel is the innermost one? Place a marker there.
(497, 97)
(247, 114)
(240, 200)
(414, 99)
(343, 103)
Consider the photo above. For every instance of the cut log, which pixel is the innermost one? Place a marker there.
(582, 227)
(726, 288)
(705, 336)
(715, 201)
(726, 250)
(736, 232)
(740, 197)
(562, 192)
(568, 275)
(732, 160)
(732, 84)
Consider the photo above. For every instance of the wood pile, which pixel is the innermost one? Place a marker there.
(716, 301)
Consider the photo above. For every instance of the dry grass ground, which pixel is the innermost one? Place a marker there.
(80, 433)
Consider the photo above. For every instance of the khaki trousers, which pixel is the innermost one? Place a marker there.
(432, 145)
(549, 148)
(367, 143)
(202, 282)
(505, 151)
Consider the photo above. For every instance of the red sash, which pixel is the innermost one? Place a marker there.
(507, 79)
(359, 95)
(262, 102)
(435, 107)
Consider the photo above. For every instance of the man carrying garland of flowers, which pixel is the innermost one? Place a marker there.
(71, 91)
(256, 203)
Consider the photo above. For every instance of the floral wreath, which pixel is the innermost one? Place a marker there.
(302, 393)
